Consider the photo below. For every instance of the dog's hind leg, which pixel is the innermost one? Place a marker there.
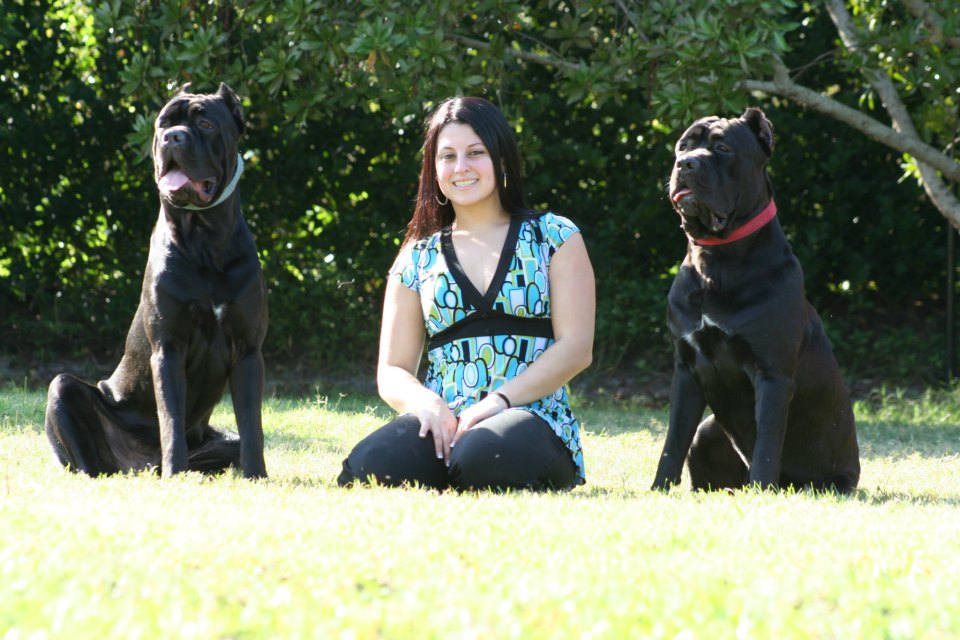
(91, 436)
(74, 427)
(713, 462)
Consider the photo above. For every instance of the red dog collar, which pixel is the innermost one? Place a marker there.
(754, 225)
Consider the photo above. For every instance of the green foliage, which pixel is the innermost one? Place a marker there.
(919, 57)
(335, 93)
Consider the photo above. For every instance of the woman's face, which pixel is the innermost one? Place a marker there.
(464, 167)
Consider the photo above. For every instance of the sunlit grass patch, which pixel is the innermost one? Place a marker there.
(295, 556)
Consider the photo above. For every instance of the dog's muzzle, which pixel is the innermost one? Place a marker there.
(692, 209)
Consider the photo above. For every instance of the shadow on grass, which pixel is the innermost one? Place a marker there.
(877, 497)
(882, 439)
(919, 499)
(292, 442)
(615, 421)
(21, 409)
(877, 438)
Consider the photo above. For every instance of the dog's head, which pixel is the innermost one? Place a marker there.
(720, 173)
(195, 146)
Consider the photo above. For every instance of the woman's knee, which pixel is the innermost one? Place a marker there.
(368, 462)
(476, 463)
(394, 455)
(487, 459)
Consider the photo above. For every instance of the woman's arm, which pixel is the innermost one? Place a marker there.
(573, 303)
(401, 348)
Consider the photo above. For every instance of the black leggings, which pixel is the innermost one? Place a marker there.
(514, 449)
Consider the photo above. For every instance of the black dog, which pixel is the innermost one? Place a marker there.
(200, 324)
(747, 343)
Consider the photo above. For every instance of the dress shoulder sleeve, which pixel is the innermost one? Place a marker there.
(405, 266)
(416, 261)
(556, 229)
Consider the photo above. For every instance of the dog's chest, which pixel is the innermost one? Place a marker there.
(709, 335)
(713, 344)
(705, 333)
(721, 360)
(209, 315)
(207, 306)
(213, 308)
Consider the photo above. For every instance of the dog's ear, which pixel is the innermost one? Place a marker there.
(232, 102)
(184, 88)
(762, 127)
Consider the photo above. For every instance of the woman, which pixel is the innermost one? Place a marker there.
(505, 297)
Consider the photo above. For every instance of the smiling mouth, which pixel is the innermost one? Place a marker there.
(465, 183)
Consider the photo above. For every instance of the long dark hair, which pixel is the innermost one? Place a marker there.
(489, 123)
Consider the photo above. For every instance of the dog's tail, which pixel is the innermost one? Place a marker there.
(218, 451)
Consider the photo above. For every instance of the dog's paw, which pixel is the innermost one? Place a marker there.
(664, 484)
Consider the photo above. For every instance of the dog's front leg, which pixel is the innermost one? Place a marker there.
(168, 365)
(687, 404)
(773, 396)
(246, 389)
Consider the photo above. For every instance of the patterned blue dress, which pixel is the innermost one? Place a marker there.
(465, 367)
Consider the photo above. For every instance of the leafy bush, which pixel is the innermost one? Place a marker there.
(335, 94)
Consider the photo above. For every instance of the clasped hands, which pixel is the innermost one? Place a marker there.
(437, 418)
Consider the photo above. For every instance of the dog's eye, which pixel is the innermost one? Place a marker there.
(206, 124)
(722, 148)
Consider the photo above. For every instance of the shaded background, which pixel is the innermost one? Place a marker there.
(335, 94)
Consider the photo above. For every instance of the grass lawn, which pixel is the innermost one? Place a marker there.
(297, 557)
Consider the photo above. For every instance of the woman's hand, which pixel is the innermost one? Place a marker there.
(477, 413)
(401, 347)
(437, 418)
(573, 303)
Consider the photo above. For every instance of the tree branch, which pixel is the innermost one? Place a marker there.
(782, 85)
(516, 53)
(938, 191)
(629, 15)
(932, 20)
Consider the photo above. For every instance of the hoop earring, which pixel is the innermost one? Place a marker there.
(437, 198)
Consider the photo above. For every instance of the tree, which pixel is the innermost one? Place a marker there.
(685, 58)
(335, 92)
(909, 58)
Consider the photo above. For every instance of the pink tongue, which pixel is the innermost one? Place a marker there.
(173, 180)
(680, 194)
